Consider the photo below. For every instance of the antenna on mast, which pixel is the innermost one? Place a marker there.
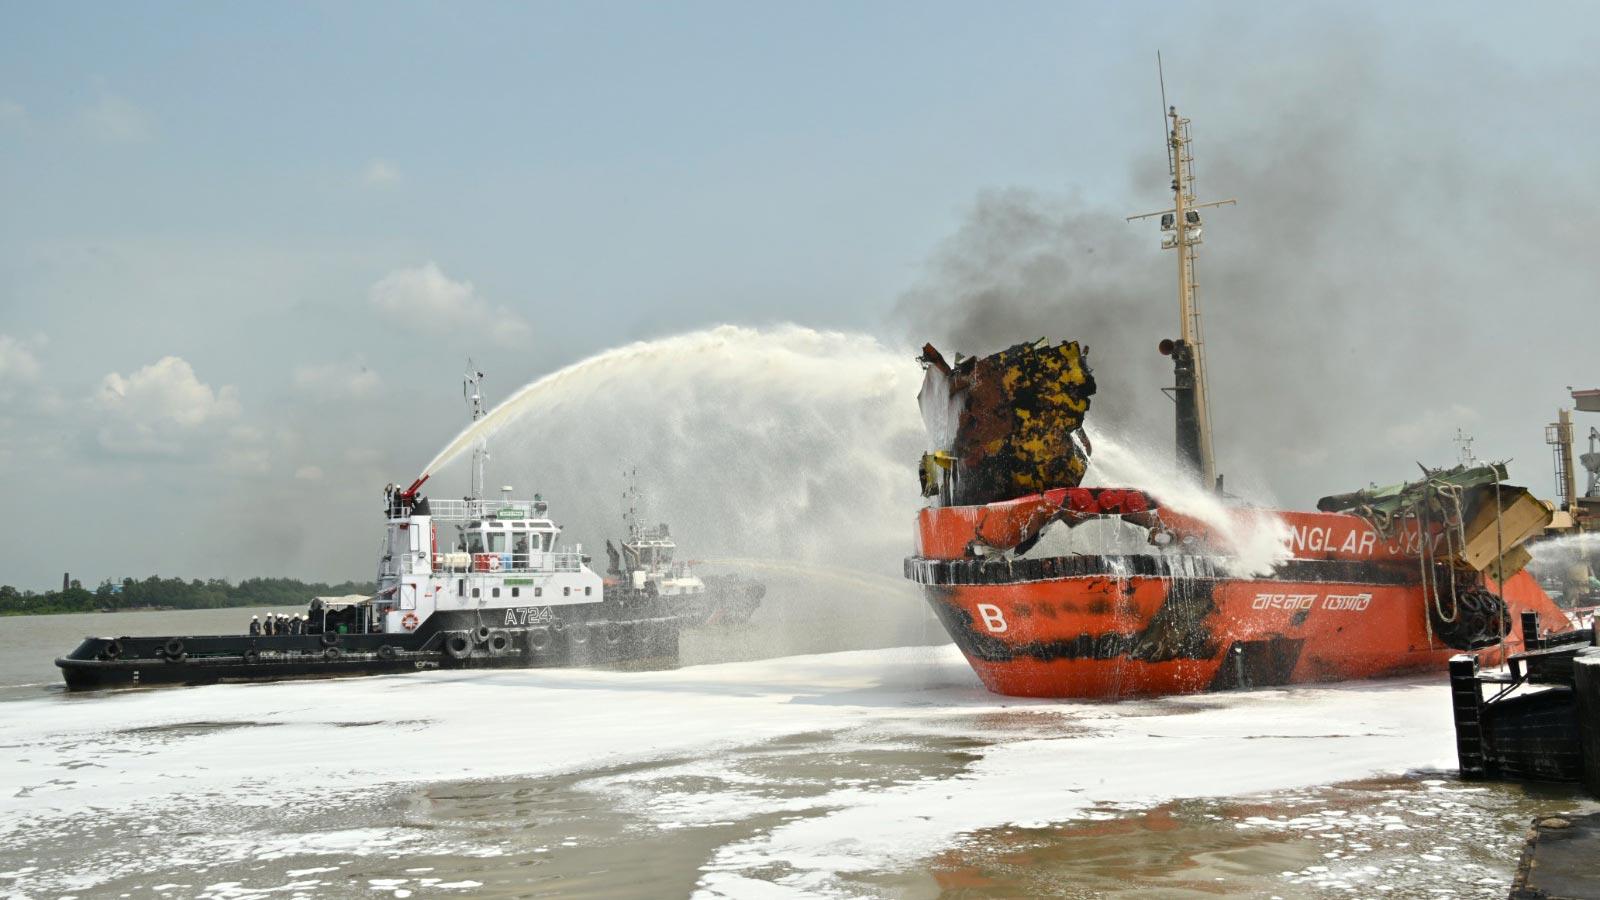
(1180, 230)
(1161, 76)
(472, 392)
(631, 498)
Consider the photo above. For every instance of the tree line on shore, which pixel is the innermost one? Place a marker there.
(172, 593)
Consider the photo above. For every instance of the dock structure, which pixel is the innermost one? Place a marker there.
(1558, 862)
(1539, 719)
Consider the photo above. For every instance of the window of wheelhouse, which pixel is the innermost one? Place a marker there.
(519, 545)
(497, 542)
(474, 542)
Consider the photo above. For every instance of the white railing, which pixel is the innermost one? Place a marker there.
(474, 510)
(490, 563)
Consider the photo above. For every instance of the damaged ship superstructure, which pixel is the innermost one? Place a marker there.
(1373, 583)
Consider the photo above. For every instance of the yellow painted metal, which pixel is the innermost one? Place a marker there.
(1521, 516)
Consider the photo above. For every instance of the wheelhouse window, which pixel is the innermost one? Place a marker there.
(474, 542)
(497, 543)
(519, 543)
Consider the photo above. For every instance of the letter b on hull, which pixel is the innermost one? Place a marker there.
(993, 619)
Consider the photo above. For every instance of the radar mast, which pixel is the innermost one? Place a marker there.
(472, 392)
(1180, 230)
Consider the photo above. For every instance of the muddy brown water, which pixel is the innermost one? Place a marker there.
(599, 833)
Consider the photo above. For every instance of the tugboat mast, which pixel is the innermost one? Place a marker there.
(1180, 227)
(472, 391)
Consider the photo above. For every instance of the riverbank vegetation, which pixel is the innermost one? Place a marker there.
(172, 593)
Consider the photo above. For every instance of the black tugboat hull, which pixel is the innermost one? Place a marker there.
(446, 641)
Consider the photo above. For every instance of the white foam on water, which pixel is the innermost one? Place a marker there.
(144, 754)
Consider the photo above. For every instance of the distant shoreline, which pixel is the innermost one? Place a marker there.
(131, 609)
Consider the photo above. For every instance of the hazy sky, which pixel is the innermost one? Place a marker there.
(244, 249)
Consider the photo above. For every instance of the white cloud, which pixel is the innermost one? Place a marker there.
(116, 120)
(337, 379)
(164, 410)
(426, 301)
(380, 173)
(18, 362)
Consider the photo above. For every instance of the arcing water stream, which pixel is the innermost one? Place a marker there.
(784, 444)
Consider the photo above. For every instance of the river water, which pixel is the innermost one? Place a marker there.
(877, 771)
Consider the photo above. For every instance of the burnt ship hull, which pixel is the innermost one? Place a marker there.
(527, 637)
(1184, 627)
(1350, 605)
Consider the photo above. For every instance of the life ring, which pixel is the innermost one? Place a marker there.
(539, 639)
(409, 621)
(499, 642)
(329, 638)
(172, 647)
(458, 646)
(481, 634)
(113, 649)
(613, 633)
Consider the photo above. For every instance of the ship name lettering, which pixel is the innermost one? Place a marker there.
(993, 618)
(527, 615)
(1349, 602)
(1290, 602)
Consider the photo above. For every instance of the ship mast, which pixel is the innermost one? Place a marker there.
(1180, 227)
(472, 391)
(631, 497)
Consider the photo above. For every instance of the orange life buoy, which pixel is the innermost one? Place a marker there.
(409, 621)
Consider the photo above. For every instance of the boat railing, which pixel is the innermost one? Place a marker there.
(475, 510)
(488, 563)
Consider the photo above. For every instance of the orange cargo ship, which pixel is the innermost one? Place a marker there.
(1375, 583)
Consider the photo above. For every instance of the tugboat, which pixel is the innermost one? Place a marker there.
(500, 592)
(1373, 583)
(644, 565)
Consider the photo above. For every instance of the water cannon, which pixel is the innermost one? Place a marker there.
(410, 493)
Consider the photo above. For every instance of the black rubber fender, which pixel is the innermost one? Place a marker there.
(112, 649)
(388, 651)
(331, 653)
(172, 647)
(458, 646)
(613, 633)
(481, 634)
(578, 634)
(539, 639)
(499, 642)
(330, 638)
(251, 656)
(177, 657)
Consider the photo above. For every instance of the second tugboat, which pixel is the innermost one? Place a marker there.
(644, 564)
(498, 593)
